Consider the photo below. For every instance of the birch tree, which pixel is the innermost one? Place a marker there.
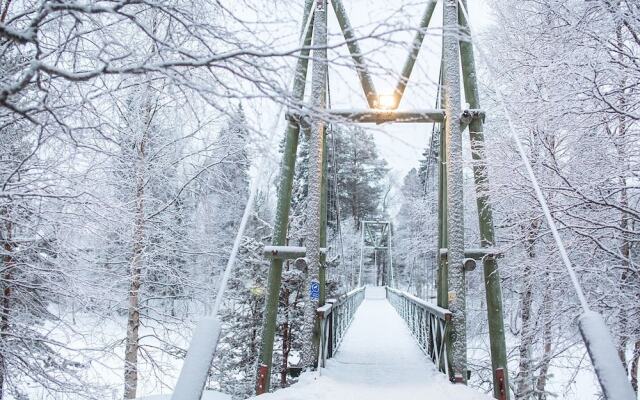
(571, 82)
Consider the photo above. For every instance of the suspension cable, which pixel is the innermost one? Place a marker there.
(531, 175)
(248, 208)
(334, 164)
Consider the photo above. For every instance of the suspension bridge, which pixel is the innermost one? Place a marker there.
(378, 341)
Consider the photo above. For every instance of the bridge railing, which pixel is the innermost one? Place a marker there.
(335, 317)
(429, 325)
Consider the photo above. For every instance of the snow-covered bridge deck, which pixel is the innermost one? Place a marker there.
(378, 359)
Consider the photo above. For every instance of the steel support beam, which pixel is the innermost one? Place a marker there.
(455, 200)
(476, 254)
(287, 252)
(377, 235)
(384, 116)
(443, 239)
(442, 205)
(323, 222)
(358, 58)
(413, 53)
(493, 289)
(310, 332)
(287, 167)
(322, 273)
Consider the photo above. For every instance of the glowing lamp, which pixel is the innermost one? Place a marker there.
(386, 101)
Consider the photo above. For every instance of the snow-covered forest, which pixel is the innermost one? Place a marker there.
(134, 132)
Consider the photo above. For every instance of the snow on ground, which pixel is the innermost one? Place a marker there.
(98, 343)
(207, 395)
(378, 359)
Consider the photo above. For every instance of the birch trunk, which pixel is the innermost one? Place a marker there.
(524, 380)
(6, 278)
(546, 338)
(634, 366)
(7, 292)
(132, 344)
(625, 219)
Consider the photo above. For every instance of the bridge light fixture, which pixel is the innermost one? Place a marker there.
(386, 102)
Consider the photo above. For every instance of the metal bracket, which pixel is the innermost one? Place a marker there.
(469, 115)
(298, 119)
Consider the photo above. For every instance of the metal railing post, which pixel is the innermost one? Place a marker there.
(428, 324)
(335, 317)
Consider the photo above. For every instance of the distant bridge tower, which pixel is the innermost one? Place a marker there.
(376, 240)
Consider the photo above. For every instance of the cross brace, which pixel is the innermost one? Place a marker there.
(382, 116)
(287, 252)
(476, 254)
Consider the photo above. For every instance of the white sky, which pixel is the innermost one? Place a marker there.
(400, 144)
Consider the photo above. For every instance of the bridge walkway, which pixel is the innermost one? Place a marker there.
(378, 359)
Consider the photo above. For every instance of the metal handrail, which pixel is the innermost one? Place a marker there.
(335, 317)
(428, 323)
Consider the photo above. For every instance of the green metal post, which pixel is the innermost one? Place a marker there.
(415, 50)
(455, 197)
(287, 168)
(359, 60)
(323, 225)
(443, 267)
(322, 276)
(442, 207)
(485, 218)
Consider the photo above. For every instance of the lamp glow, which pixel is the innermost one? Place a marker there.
(386, 101)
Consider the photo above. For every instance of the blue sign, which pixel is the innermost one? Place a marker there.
(314, 290)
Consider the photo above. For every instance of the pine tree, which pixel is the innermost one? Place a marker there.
(415, 231)
(227, 187)
(243, 306)
(360, 174)
(241, 316)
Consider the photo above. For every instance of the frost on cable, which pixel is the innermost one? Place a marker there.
(195, 370)
(604, 357)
